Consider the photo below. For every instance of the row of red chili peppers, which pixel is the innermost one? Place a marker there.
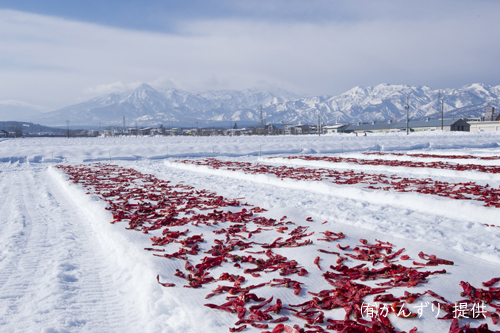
(453, 157)
(461, 191)
(494, 169)
(149, 204)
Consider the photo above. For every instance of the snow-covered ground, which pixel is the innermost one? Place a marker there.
(64, 268)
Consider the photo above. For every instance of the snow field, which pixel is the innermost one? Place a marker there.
(78, 150)
(64, 268)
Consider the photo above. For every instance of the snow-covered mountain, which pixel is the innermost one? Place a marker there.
(387, 102)
(143, 104)
(148, 106)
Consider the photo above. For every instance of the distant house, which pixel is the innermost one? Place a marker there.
(233, 132)
(145, 131)
(248, 130)
(414, 126)
(4, 134)
(288, 129)
(337, 128)
(273, 129)
(216, 132)
(301, 129)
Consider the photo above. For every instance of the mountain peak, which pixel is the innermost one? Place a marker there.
(355, 90)
(145, 87)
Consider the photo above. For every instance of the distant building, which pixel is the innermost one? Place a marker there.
(233, 132)
(272, 129)
(145, 131)
(414, 126)
(479, 126)
(337, 128)
(174, 131)
(490, 122)
(288, 129)
(301, 129)
(490, 114)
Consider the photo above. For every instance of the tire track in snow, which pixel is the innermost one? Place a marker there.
(22, 245)
(56, 274)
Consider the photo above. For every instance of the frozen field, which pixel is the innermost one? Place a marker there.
(65, 268)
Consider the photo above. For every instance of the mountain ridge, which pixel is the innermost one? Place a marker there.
(148, 106)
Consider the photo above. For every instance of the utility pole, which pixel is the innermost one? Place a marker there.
(261, 116)
(136, 129)
(67, 126)
(319, 125)
(442, 114)
(123, 124)
(439, 100)
(407, 114)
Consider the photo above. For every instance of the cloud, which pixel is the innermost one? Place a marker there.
(102, 89)
(24, 104)
(60, 62)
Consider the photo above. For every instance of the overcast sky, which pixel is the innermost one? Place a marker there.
(54, 53)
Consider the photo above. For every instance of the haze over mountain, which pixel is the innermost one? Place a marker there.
(19, 111)
(148, 106)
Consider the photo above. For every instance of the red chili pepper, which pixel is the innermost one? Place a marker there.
(343, 247)
(316, 262)
(164, 284)
(237, 329)
(279, 328)
(259, 325)
(491, 282)
(278, 320)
